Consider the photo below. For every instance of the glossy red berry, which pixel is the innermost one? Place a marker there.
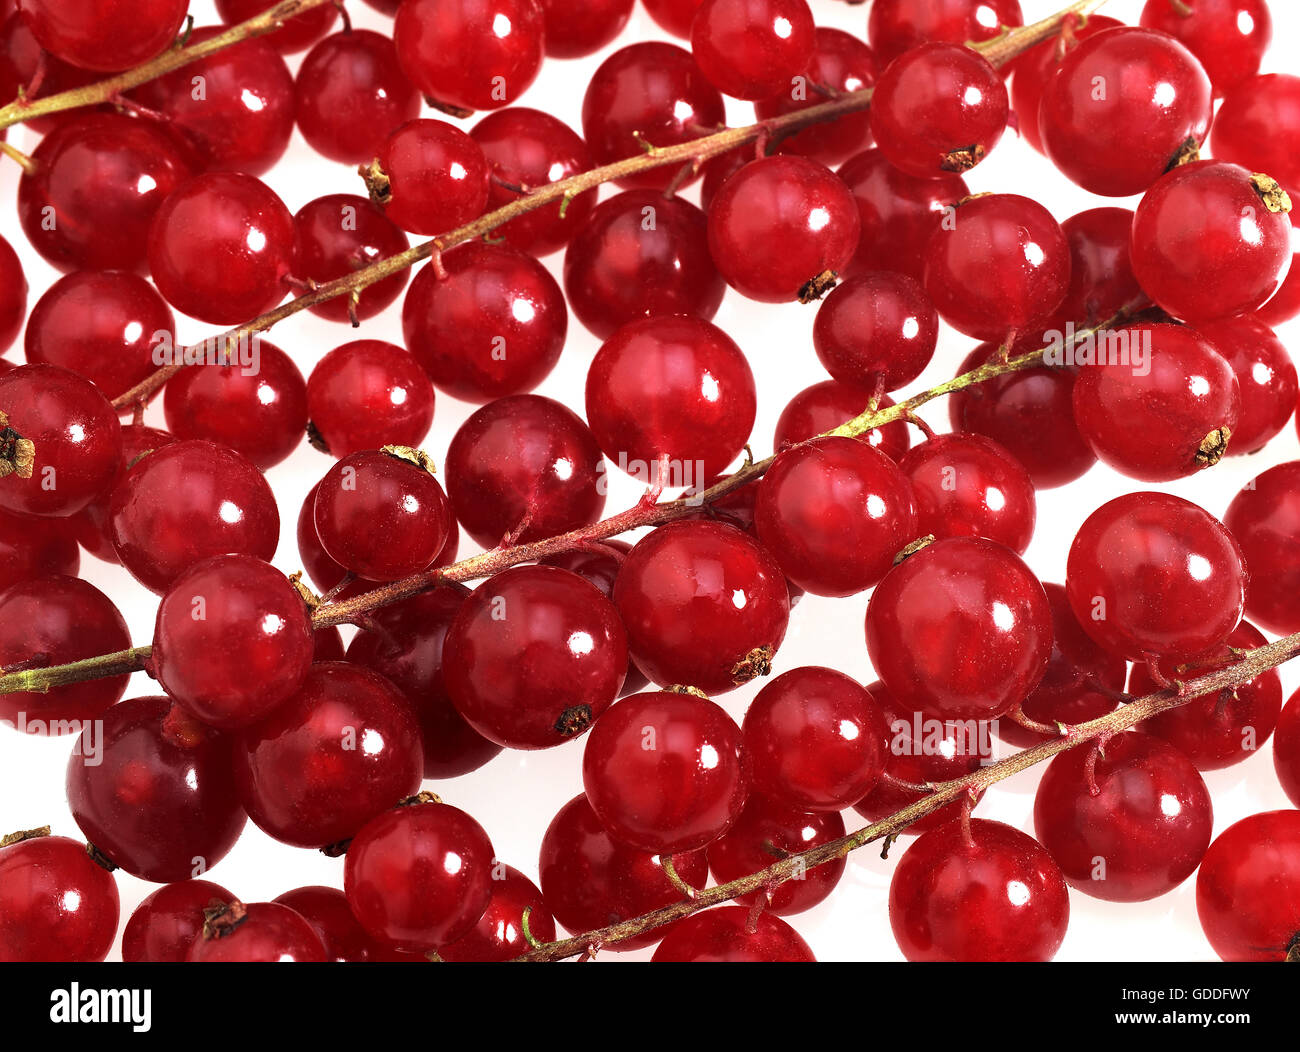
(825, 406)
(1285, 303)
(704, 606)
(1265, 520)
(961, 627)
(366, 394)
(164, 926)
(673, 16)
(53, 621)
(896, 26)
(61, 441)
(90, 525)
(752, 49)
(151, 788)
(978, 891)
(109, 36)
(21, 57)
(1228, 36)
(1153, 574)
(834, 513)
(13, 295)
(265, 932)
(220, 248)
(1248, 888)
(493, 326)
(470, 54)
(499, 933)
(1001, 264)
(723, 935)
(1286, 750)
(1101, 273)
(185, 502)
(1257, 122)
(432, 177)
(1266, 378)
(526, 467)
(327, 911)
(876, 331)
(681, 794)
(56, 902)
(381, 515)
(419, 876)
(297, 33)
(32, 548)
(574, 30)
(671, 387)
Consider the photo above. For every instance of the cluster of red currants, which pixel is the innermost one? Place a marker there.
(1154, 355)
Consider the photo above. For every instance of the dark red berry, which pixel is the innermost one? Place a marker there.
(109, 36)
(1228, 36)
(724, 935)
(876, 331)
(1265, 520)
(434, 177)
(752, 49)
(896, 26)
(499, 933)
(327, 911)
(825, 406)
(583, 28)
(164, 926)
(56, 902)
(366, 394)
(1248, 888)
(259, 932)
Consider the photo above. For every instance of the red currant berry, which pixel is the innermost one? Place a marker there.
(419, 876)
(56, 902)
(185, 502)
(825, 406)
(1248, 889)
(499, 933)
(432, 177)
(681, 794)
(876, 331)
(1266, 377)
(703, 605)
(493, 326)
(752, 49)
(1228, 36)
(13, 295)
(151, 788)
(327, 911)
(164, 926)
(91, 523)
(524, 467)
(1256, 125)
(896, 26)
(32, 548)
(470, 54)
(106, 37)
(1153, 574)
(1286, 750)
(381, 515)
(574, 30)
(673, 16)
(1265, 520)
(261, 932)
(366, 394)
(978, 891)
(729, 934)
(1101, 274)
(297, 33)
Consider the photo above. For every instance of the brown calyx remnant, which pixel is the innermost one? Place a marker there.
(1271, 193)
(1188, 153)
(678, 688)
(964, 159)
(758, 662)
(222, 918)
(1213, 447)
(377, 182)
(573, 720)
(418, 457)
(815, 288)
(315, 439)
(916, 546)
(424, 797)
(99, 858)
(17, 454)
(460, 112)
(24, 834)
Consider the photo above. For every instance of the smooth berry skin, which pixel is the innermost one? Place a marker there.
(164, 926)
(1216, 731)
(876, 330)
(327, 911)
(1101, 273)
(1248, 888)
(1167, 420)
(673, 16)
(366, 394)
(1138, 805)
(343, 748)
(590, 880)
(897, 213)
(969, 486)
(499, 933)
(98, 183)
(161, 801)
(350, 93)
(1153, 574)
(680, 596)
(260, 415)
(1210, 242)
(1285, 304)
(527, 467)
(494, 326)
(406, 647)
(834, 513)
(220, 248)
(938, 108)
(1265, 520)
(90, 525)
(784, 201)
(640, 255)
(75, 436)
(1003, 264)
(32, 548)
(525, 149)
(381, 516)
(962, 627)
(825, 406)
(919, 749)
(56, 903)
(813, 740)
(843, 63)
(1029, 412)
(723, 935)
(1083, 680)
(103, 325)
(242, 119)
(1119, 142)
(338, 234)
(747, 848)
(1229, 37)
(21, 56)
(1266, 378)
(65, 619)
(297, 33)
(1256, 123)
(671, 387)
(896, 26)
(13, 295)
(978, 892)
(752, 49)
(438, 177)
(269, 933)
(232, 641)
(185, 502)
(1286, 750)
(653, 92)
(106, 37)
(577, 30)
(420, 876)
(470, 54)
(534, 656)
(679, 796)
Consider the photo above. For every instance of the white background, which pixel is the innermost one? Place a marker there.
(516, 795)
